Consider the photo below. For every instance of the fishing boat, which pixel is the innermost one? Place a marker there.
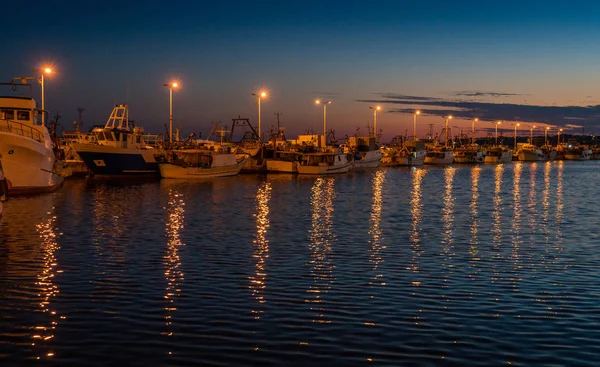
(327, 161)
(29, 160)
(498, 154)
(401, 152)
(284, 161)
(469, 154)
(70, 156)
(530, 153)
(120, 151)
(440, 156)
(365, 149)
(201, 164)
(574, 151)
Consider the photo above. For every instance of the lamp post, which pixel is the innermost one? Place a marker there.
(497, 123)
(446, 128)
(171, 86)
(473, 130)
(375, 109)
(546, 135)
(259, 95)
(515, 147)
(559, 131)
(417, 112)
(324, 103)
(531, 134)
(43, 71)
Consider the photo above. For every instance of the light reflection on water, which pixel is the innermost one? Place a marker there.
(481, 265)
(174, 276)
(261, 249)
(376, 247)
(48, 288)
(320, 242)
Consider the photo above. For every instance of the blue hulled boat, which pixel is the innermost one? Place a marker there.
(120, 151)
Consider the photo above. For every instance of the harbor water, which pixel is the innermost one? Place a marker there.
(466, 265)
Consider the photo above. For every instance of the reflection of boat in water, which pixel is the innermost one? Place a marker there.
(328, 160)
(201, 163)
(498, 154)
(29, 161)
(119, 151)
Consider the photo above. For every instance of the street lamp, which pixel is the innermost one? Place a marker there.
(324, 103)
(45, 70)
(497, 123)
(473, 130)
(171, 86)
(447, 118)
(375, 109)
(559, 131)
(516, 136)
(531, 135)
(546, 135)
(259, 95)
(417, 112)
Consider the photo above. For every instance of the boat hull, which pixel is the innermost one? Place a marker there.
(531, 155)
(277, 166)
(370, 160)
(119, 162)
(578, 156)
(168, 170)
(440, 159)
(29, 166)
(324, 170)
(504, 157)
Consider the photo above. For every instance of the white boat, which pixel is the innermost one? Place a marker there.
(498, 155)
(573, 151)
(201, 164)
(530, 153)
(329, 160)
(365, 150)
(119, 150)
(439, 156)
(29, 161)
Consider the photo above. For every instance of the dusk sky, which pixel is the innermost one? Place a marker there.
(534, 62)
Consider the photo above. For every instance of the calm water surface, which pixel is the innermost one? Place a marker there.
(467, 265)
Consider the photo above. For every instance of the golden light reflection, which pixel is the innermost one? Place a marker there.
(474, 240)
(516, 222)
(448, 213)
(532, 197)
(416, 211)
(321, 240)
(261, 248)
(375, 230)
(172, 261)
(497, 211)
(559, 205)
(546, 196)
(47, 286)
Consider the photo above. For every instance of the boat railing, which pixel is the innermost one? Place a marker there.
(21, 129)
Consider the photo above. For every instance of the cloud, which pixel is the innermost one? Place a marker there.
(484, 94)
(489, 111)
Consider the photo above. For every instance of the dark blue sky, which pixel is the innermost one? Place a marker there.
(472, 55)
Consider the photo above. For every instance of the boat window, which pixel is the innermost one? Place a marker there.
(101, 136)
(7, 114)
(23, 115)
(138, 139)
(109, 136)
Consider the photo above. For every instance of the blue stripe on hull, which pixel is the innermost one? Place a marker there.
(119, 164)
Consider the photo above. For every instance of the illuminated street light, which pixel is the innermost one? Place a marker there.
(531, 135)
(42, 71)
(473, 130)
(259, 96)
(375, 109)
(417, 112)
(559, 131)
(516, 135)
(171, 86)
(324, 103)
(447, 118)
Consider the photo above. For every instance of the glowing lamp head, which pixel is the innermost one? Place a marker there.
(499, 122)
(263, 94)
(547, 127)
(450, 117)
(47, 70)
(476, 119)
(561, 130)
(417, 112)
(518, 124)
(318, 101)
(174, 84)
